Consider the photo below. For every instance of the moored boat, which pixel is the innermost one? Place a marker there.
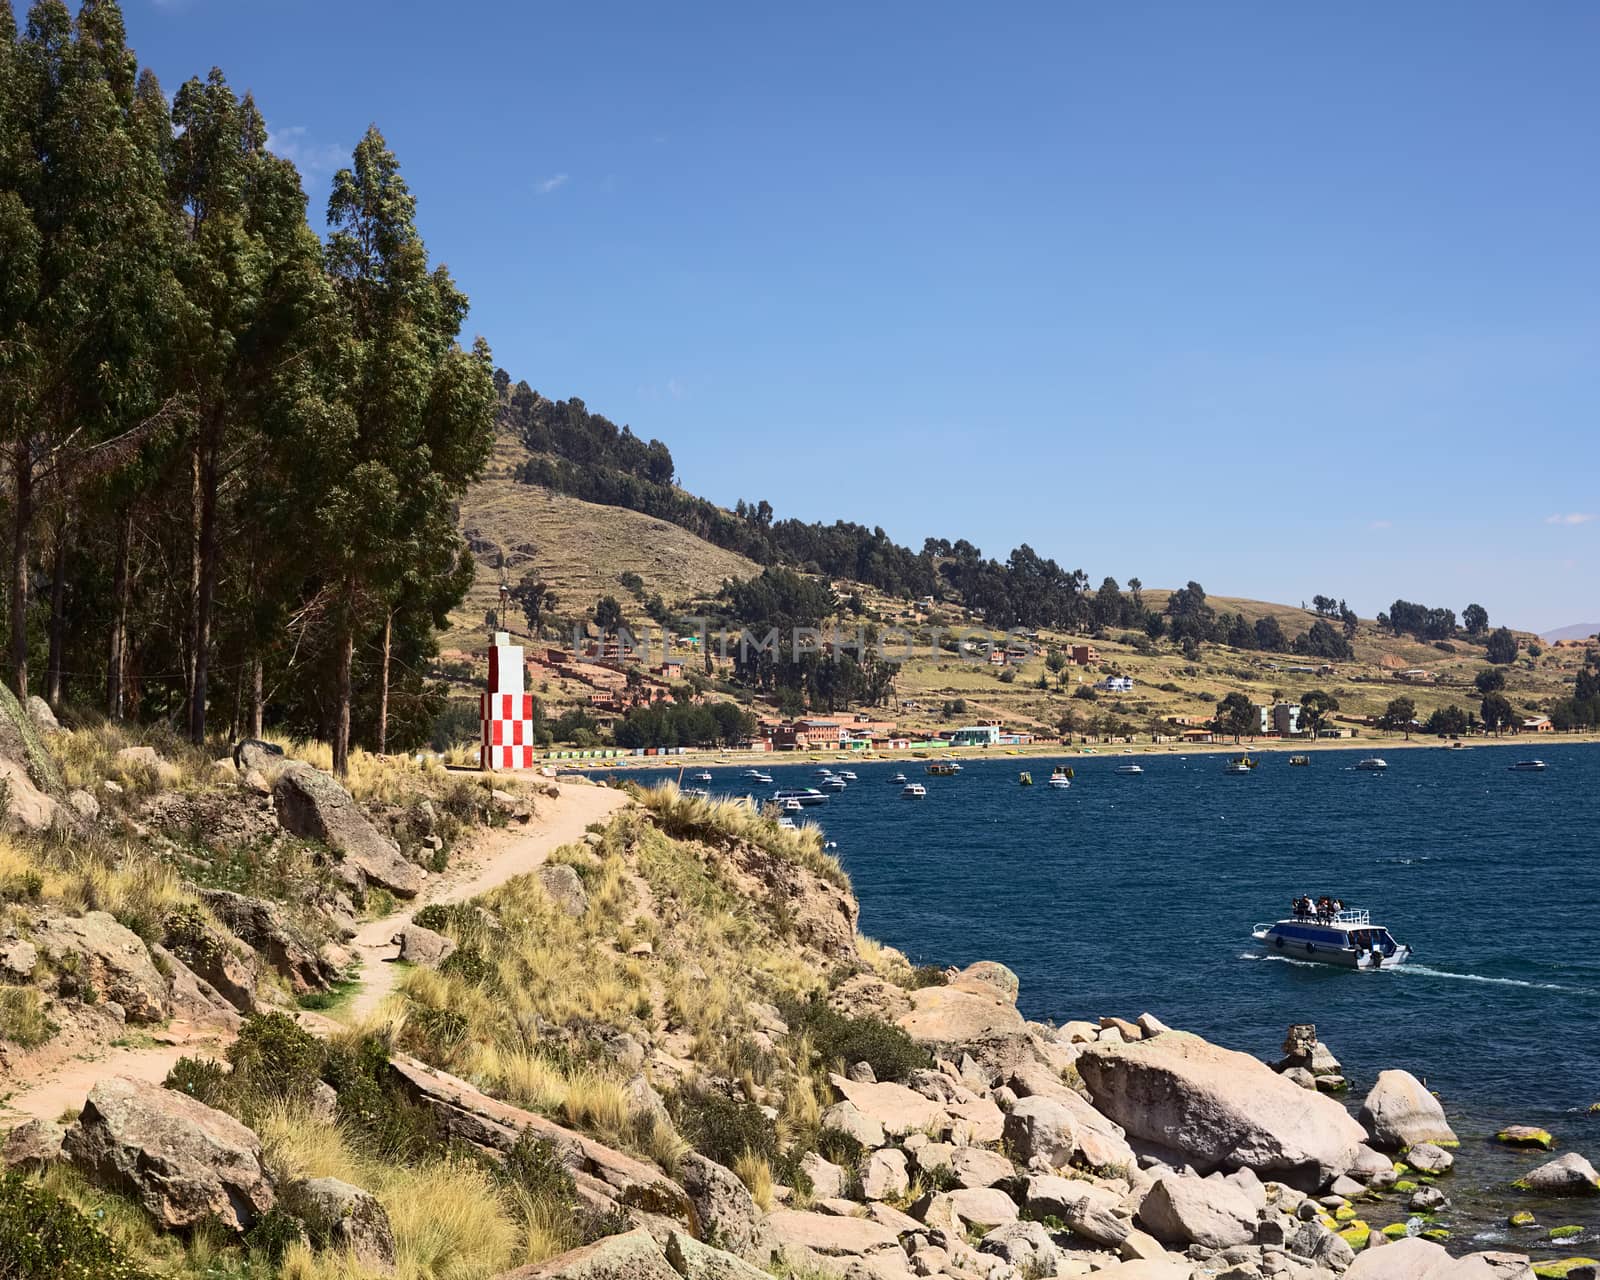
(1239, 765)
(1300, 762)
(800, 795)
(899, 778)
(1372, 764)
(1130, 769)
(1345, 938)
(1025, 779)
(1528, 766)
(943, 769)
(914, 791)
(703, 776)
(833, 783)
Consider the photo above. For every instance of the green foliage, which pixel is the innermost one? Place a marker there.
(927, 975)
(276, 1057)
(203, 1080)
(22, 1017)
(534, 1165)
(844, 1149)
(719, 1127)
(839, 1038)
(1502, 647)
(373, 1106)
(272, 1233)
(43, 1237)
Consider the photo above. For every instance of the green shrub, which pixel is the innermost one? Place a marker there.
(22, 886)
(272, 1233)
(720, 1128)
(276, 1057)
(534, 1165)
(43, 1237)
(204, 1081)
(840, 1147)
(468, 964)
(373, 1107)
(927, 975)
(891, 1053)
(22, 1017)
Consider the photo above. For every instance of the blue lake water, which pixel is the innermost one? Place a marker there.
(1127, 894)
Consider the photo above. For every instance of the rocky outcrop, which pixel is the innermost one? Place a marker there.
(830, 1236)
(1222, 1109)
(1042, 1129)
(33, 1146)
(265, 928)
(561, 882)
(868, 996)
(724, 1208)
(894, 1108)
(312, 805)
(92, 952)
(694, 1260)
(1400, 1112)
(422, 946)
(341, 1216)
(212, 955)
(182, 1161)
(950, 1017)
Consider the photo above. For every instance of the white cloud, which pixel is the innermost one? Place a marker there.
(313, 159)
(1570, 517)
(551, 183)
(1381, 524)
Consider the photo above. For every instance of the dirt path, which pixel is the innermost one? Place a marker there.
(496, 859)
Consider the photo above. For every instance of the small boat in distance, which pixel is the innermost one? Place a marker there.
(1347, 938)
(1130, 769)
(1372, 764)
(1239, 765)
(791, 805)
(833, 783)
(786, 823)
(900, 778)
(847, 775)
(943, 769)
(1300, 762)
(914, 791)
(698, 793)
(1025, 779)
(1061, 777)
(703, 776)
(800, 795)
(1528, 766)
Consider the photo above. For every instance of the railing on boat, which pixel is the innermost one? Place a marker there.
(1351, 915)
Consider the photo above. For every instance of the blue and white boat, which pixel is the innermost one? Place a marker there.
(1347, 938)
(800, 795)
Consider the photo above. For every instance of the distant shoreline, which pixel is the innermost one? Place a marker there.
(700, 758)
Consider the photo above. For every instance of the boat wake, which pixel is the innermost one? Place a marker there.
(1422, 970)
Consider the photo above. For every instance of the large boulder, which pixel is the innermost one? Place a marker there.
(866, 995)
(423, 946)
(883, 1174)
(896, 1109)
(1491, 1265)
(696, 1261)
(724, 1207)
(1571, 1175)
(1025, 1245)
(182, 1160)
(1412, 1258)
(33, 1146)
(989, 976)
(950, 1017)
(633, 1255)
(1087, 1209)
(1220, 1108)
(561, 882)
(1182, 1210)
(212, 955)
(94, 952)
(265, 928)
(1042, 1128)
(1399, 1112)
(342, 1216)
(310, 804)
(829, 1235)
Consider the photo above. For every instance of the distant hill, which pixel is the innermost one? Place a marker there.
(1577, 631)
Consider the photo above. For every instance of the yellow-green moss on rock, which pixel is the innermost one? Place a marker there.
(1562, 1269)
(1526, 1135)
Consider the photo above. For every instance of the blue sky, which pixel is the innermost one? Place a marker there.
(1284, 298)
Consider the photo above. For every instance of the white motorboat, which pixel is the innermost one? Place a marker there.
(792, 805)
(703, 776)
(1346, 938)
(1372, 764)
(800, 795)
(847, 775)
(1129, 769)
(699, 793)
(899, 778)
(833, 783)
(786, 823)
(1528, 766)
(914, 791)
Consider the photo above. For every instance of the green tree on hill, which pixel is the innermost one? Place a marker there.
(1502, 646)
(1475, 618)
(1269, 635)
(1497, 713)
(536, 600)
(1447, 722)
(1315, 706)
(1490, 680)
(608, 614)
(1237, 715)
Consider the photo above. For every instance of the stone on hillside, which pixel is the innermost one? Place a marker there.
(1025, 1245)
(847, 1118)
(212, 955)
(422, 946)
(633, 1255)
(19, 959)
(1491, 1265)
(722, 1205)
(1077, 1031)
(1042, 1128)
(1570, 1175)
(94, 952)
(893, 1107)
(265, 928)
(1220, 1108)
(33, 1146)
(1425, 1157)
(44, 719)
(1400, 1112)
(28, 807)
(192, 998)
(861, 1073)
(868, 996)
(1129, 1031)
(1085, 1208)
(983, 1206)
(342, 1216)
(312, 805)
(976, 1166)
(1152, 1025)
(827, 1179)
(1411, 1258)
(883, 1174)
(1370, 1164)
(150, 760)
(992, 976)
(1300, 1076)
(952, 1016)
(83, 804)
(561, 882)
(253, 753)
(695, 1261)
(180, 1159)
(20, 744)
(830, 1236)
(978, 1121)
(1184, 1210)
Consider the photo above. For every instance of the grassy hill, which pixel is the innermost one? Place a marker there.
(581, 548)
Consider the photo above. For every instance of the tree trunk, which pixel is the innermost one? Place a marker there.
(205, 590)
(347, 646)
(255, 696)
(58, 612)
(22, 496)
(194, 578)
(383, 685)
(116, 661)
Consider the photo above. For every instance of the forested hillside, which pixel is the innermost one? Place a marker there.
(231, 448)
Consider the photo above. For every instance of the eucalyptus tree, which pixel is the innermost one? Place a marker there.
(422, 410)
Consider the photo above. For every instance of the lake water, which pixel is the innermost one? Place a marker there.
(1126, 894)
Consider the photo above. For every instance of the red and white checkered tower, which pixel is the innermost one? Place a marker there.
(506, 711)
